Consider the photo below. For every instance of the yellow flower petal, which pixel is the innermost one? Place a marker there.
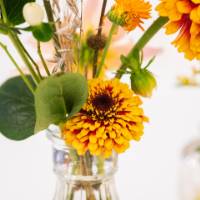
(184, 15)
(108, 121)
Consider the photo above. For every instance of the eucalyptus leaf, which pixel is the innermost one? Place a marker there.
(43, 32)
(58, 98)
(14, 10)
(17, 112)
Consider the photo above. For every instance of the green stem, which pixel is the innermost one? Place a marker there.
(3, 10)
(50, 17)
(42, 59)
(25, 79)
(31, 59)
(100, 164)
(105, 51)
(75, 161)
(147, 36)
(21, 52)
(86, 170)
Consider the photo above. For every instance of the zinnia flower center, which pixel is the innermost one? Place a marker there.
(102, 102)
(109, 120)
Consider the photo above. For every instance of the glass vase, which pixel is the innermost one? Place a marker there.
(81, 177)
(190, 171)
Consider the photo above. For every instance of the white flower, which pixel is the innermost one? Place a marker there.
(33, 14)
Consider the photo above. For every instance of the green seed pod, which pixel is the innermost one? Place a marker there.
(143, 82)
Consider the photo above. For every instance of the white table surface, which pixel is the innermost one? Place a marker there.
(147, 171)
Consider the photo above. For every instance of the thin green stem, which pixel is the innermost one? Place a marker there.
(12, 37)
(100, 164)
(42, 59)
(105, 51)
(31, 59)
(75, 159)
(70, 192)
(85, 168)
(25, 79)
(146, 37)
(18, 47)
(50, 17)
(21, 52)
(3, 10)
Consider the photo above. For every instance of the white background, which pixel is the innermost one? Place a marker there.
(148, 170)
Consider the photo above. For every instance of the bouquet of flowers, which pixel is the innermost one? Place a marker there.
(97, 117)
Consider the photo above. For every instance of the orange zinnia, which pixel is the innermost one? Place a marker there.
(130, 13)
(184, 18)
(110, 118)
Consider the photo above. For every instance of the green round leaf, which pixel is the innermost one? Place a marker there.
(14, 10)
(17, 112)
(58, 98)
(43, 32)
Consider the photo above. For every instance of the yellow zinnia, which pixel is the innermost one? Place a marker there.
(184, 18)
(110, 118)
(130, 13)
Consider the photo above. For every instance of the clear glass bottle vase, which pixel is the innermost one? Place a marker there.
(190, 171)
(81, 177)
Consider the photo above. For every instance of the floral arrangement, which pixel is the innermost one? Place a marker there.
(96, 115)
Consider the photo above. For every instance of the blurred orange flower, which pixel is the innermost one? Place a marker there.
(184, 18)
(129, 13)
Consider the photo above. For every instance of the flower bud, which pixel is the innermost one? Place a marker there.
(143, 82)
(116, 17)
(96, 41)
(33, 14)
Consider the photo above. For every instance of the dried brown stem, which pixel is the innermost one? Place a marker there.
(96, 53)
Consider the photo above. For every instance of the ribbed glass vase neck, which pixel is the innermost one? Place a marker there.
(69, 164)
(81, 177)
